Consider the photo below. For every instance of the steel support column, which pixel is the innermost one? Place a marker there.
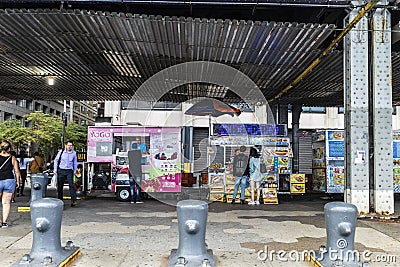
(382, 195)
(296, 112)
(356, 112)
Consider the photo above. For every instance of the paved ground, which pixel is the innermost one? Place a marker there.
(112, 233)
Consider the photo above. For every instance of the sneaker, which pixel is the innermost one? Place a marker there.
(251, 203)
(4, 225)
(139, 202)
(73, 204)
(242, 201)
(256, 202)
(233, 201)
(13, 200)
(132, 202)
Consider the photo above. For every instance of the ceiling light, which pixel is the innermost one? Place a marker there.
(50, 80)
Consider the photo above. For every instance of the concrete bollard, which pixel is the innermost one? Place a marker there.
(340, 220)
(46, 215)
(192, 249)
(38, 186)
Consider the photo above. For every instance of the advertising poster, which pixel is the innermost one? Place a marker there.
(335, 179)
(396, 162)
(164, 172)
(270, 195)
(335, 145)
(297, 183)
(297, 188)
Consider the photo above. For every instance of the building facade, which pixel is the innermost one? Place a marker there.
(82, 112)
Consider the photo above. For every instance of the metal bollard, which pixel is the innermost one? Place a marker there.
(340, 220)
(192, 249)
(38, 186)
(46, 214)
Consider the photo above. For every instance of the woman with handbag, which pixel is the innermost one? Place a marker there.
(37, 164)
(255, 175)
(8, 182)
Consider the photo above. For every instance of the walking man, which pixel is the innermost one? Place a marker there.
(135, 172)
(241, 172)
(65, 165)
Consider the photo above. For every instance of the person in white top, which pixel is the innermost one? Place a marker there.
(255, 175)
(23, 167)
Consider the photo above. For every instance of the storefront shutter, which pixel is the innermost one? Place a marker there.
(200, 143)
(305, 153)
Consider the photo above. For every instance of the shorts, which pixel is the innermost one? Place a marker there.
(7, 186)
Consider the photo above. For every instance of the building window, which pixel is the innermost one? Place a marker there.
(8, 116)
(20, 103)
(29, 104)
(28, 124)
(45, 109)
(313, 109)
(149, 105)
(21, 119)
(38, 107)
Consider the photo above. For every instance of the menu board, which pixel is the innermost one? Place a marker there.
(269, 193)
(297, 183)
(335, 145)
(335, 179)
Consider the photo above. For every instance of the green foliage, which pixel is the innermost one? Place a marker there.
(77, 134)
(45, 133)
(45, 130)
(15, 132)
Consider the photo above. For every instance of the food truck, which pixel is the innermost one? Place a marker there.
(107, 157)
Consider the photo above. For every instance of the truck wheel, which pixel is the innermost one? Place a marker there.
(123, 194)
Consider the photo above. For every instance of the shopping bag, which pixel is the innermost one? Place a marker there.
(53, 182)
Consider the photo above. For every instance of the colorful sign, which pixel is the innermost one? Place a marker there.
(335, 145)
(270, 195)
(297, 188)
(298, 178)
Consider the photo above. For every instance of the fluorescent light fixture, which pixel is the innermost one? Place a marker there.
(50, 80)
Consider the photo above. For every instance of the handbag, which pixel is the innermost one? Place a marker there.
(41, 169)
(54, 179)
(263, 167)
(53, 182)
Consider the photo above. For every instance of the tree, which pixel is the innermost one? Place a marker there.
(14, 131)
(44, 134)
(77, 134)
(45, 131)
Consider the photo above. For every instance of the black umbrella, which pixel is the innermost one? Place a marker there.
(212, 107)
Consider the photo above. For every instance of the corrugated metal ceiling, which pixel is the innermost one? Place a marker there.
(108, 55)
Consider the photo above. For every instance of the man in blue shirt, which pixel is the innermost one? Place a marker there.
(65, 165)
(142, 148)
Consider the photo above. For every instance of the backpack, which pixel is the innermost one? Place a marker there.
(241, 165)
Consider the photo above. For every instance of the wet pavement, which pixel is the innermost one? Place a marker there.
(112, 233)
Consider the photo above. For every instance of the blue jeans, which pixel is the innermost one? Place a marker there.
(63, 174)
(242, 181)
(134, 188)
